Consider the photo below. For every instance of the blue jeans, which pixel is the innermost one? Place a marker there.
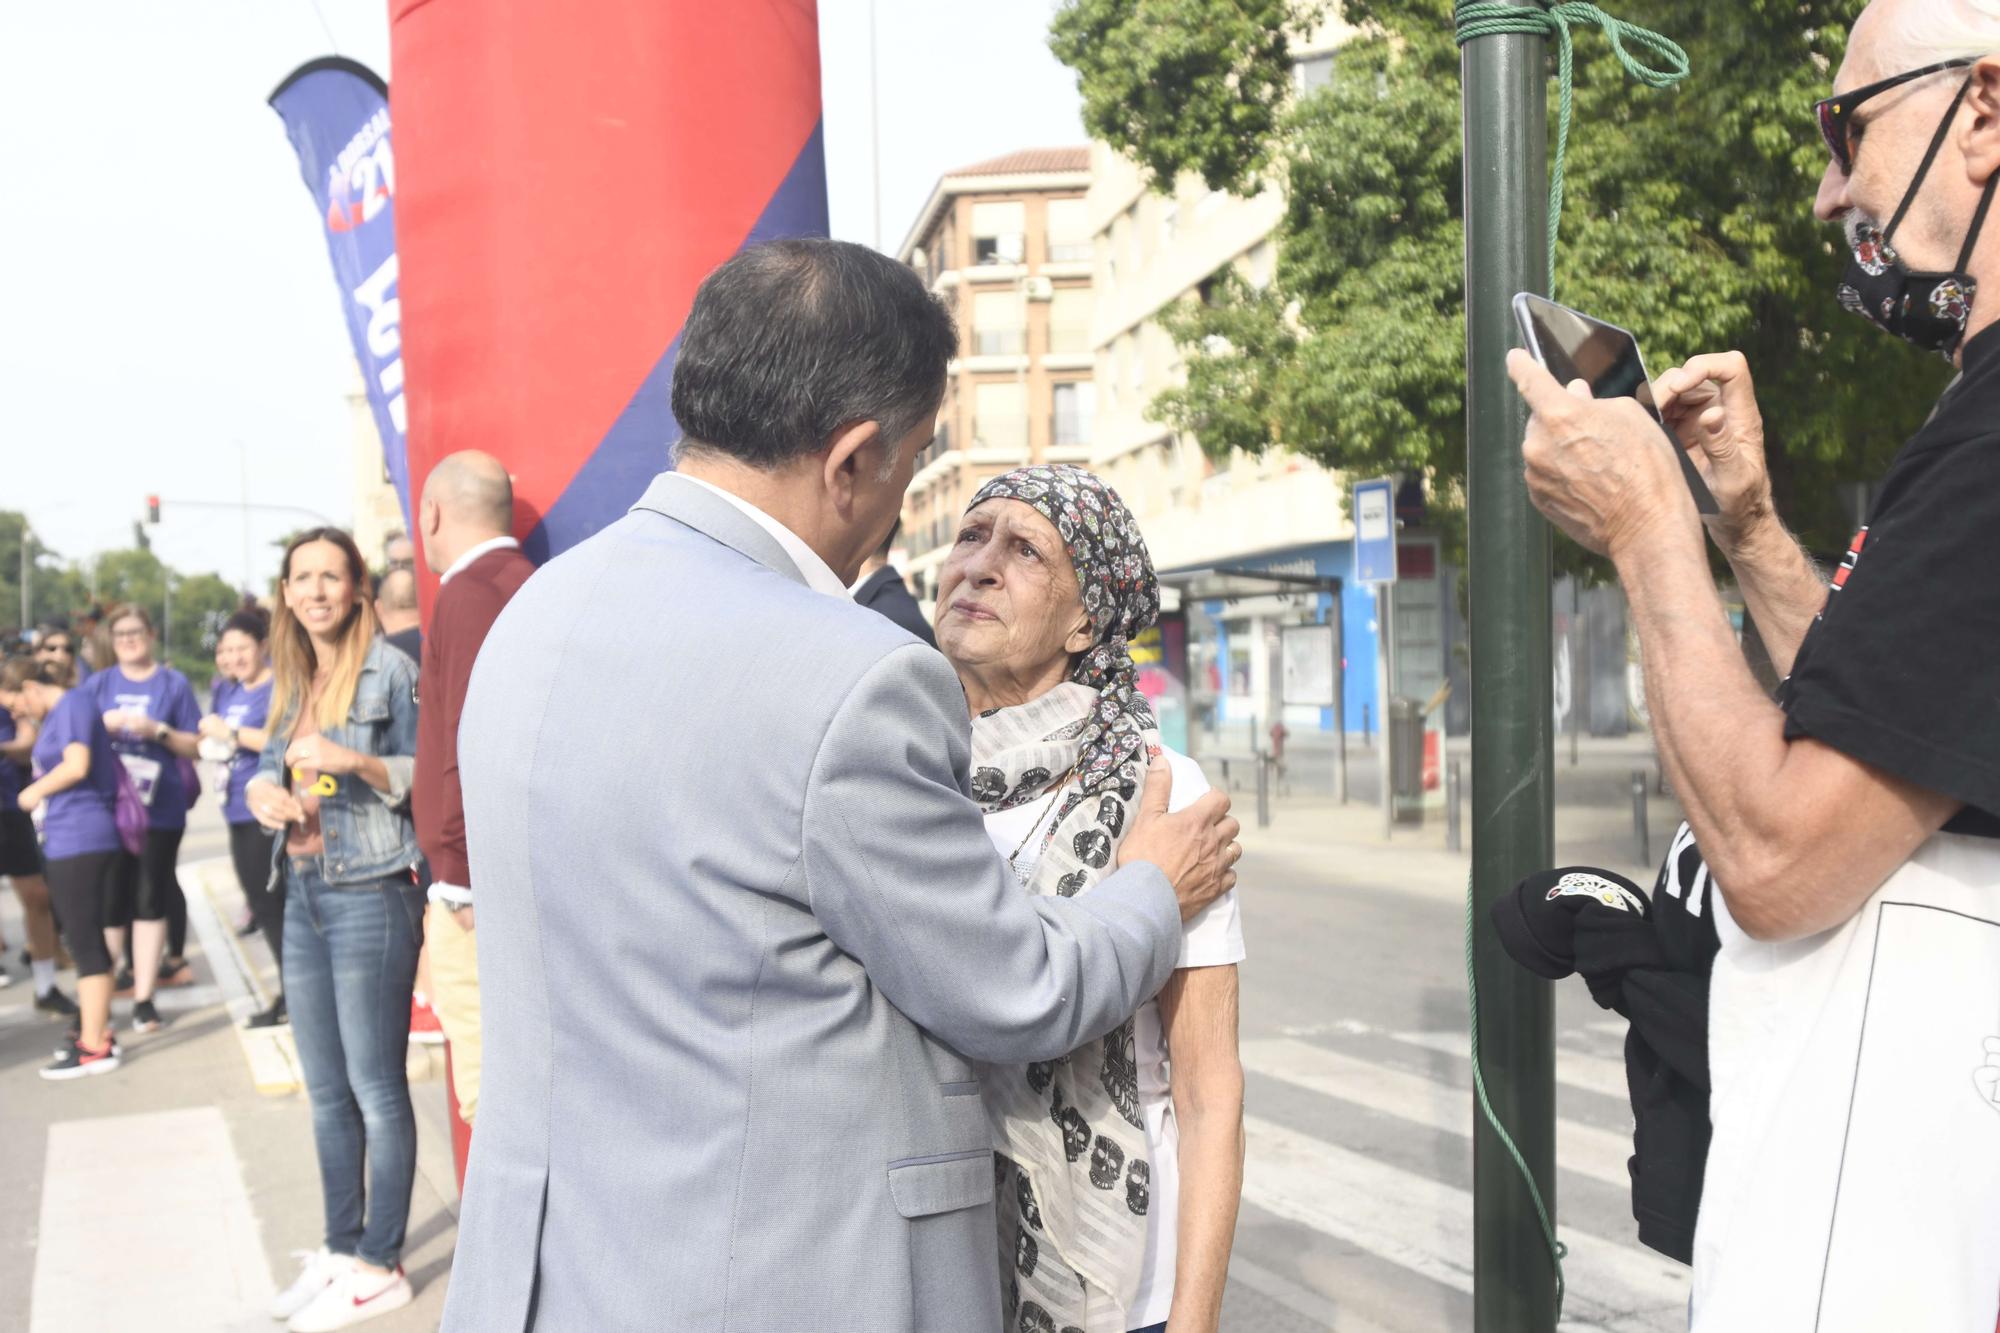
(350, 964)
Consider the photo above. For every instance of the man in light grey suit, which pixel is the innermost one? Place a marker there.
(741, 930)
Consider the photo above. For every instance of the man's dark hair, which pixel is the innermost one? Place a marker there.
(792, 340)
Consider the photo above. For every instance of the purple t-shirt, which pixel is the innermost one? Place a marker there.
(10, 772)
(80, 820)
(241, 705)
(165, 696)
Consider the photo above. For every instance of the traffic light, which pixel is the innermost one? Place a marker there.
(152, 509)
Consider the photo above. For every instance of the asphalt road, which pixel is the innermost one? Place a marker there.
(1357, 1202)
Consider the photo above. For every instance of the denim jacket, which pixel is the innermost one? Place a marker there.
(368, 833)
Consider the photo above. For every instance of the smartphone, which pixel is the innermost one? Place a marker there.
(1573, 346)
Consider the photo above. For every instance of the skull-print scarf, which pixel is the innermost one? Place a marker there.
(1071, 1128)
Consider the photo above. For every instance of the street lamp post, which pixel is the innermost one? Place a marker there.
(1506, 251)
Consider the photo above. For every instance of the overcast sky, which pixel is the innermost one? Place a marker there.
(173, 325)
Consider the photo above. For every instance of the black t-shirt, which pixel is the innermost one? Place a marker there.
(1902, 667)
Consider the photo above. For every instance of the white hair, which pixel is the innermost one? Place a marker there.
(1916, 33)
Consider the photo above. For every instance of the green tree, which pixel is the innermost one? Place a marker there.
(61, 592)
(1687, 218)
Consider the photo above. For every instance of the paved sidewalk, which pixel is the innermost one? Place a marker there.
(171, 1194)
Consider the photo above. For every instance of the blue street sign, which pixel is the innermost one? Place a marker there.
(1375, 531)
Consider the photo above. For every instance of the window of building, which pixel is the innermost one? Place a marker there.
(1311, 73)
(999, 324)
(1000, 416)
(1069, 320)
(997, 232)
(1075, 405)
(1069, 231)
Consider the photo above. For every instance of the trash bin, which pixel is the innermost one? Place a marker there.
(1406, 760)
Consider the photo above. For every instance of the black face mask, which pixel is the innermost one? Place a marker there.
(1927, 309)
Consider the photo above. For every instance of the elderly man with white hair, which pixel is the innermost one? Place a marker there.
(1852, 827)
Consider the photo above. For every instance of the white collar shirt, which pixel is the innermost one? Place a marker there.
(473, 553)
(818, 575)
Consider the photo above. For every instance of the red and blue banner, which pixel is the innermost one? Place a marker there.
(570, 173)
(336, 112)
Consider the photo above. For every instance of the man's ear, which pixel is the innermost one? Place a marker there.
(848, 453)
(1982, 140)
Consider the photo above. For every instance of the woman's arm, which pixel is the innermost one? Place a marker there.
(1198, 1016)
(252, 739)
(22, 746)
(74, 768)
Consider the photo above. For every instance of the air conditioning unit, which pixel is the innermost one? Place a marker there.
(1038, 289)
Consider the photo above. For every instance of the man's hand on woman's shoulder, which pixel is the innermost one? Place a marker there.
(1195, 848)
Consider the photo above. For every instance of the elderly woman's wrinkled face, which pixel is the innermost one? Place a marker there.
(1007, 598)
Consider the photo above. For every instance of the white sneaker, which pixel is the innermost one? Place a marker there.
(316, 1274)
(353, 1297)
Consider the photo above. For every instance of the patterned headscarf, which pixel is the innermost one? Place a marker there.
(1121, 595)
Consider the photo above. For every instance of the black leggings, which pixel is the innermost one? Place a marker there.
(84, 891)
(152, 889)
(250, 849)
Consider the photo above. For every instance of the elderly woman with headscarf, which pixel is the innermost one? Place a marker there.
(1119, 1170)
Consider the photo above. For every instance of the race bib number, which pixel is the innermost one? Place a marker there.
(145, 775)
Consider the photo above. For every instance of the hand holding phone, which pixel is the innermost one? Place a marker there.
(1573, 346)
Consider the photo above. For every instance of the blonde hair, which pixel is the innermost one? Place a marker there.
(294, 660)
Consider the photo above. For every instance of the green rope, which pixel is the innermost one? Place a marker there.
(1492, 18)
(1557, 1250)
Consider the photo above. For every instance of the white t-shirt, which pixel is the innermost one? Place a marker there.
(1212, 939)
(1853, 1177)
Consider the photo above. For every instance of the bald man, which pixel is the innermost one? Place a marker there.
(396, 612)
(463, 520)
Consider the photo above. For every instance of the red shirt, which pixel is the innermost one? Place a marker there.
(465, 610)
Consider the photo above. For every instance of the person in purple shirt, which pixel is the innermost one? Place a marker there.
(76, 789)
(21, 864)
(240, 709)
(150, 711)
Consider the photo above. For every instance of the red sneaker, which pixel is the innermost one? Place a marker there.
(424, 1028)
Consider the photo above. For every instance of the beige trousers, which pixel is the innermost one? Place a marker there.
(455, 998)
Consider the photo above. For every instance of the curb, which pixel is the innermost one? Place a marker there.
(273, 1061)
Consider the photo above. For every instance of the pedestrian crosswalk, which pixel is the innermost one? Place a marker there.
(1321, 1167)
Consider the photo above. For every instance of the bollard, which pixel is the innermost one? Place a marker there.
(1264, 765)
(1451, 789)
(1367, 729)
(1639, 816)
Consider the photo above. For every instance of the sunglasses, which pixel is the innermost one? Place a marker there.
(1837, 113)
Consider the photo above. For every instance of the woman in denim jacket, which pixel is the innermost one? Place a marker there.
(334, 779)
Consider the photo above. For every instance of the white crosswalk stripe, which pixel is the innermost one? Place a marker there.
(1425, 1226)
(1592, 1073)
(1586, 1149)
(1421, 1224)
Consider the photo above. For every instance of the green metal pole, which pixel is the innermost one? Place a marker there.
(1506, 251)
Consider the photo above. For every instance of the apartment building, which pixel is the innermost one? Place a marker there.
(1007, 244)
(1155, 246)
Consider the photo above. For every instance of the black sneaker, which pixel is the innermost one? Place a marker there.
(76, 1062)
(145, 1018)
(121, 985)
(74, 1034)
(273, 1017)
(57, 1003)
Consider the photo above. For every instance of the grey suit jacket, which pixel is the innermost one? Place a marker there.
(740, 932)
